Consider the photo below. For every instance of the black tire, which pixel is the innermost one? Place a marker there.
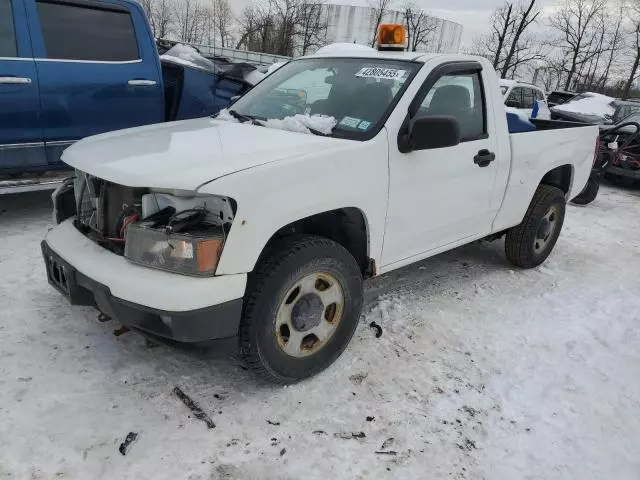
(283, 265)
(589, 193)
(522, 244)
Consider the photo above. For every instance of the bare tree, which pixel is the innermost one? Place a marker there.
(191, 19)
(420, 26)
(379, 10)
(635, 33)
(525, 17)
(312, 25)
(283, 27)
(251, 21)
(510, 45)
(502, 23)
(528, 51)
(222, 19)
(576, 22)
(616, 42)
(160, 14)
(550, 73)
(286, 14)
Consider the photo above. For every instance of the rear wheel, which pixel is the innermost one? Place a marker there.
(303, 305)
(530, 243)
(589, 193)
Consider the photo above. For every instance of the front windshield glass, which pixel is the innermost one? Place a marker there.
(359, 93)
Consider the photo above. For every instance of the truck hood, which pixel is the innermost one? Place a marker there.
(185, 155)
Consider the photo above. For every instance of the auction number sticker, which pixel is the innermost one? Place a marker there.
(381, 73)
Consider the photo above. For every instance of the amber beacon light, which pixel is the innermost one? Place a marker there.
(391, 36)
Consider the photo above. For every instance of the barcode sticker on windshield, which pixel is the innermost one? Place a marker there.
(383, 73)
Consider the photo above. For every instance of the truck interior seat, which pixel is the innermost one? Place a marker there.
(453, 100)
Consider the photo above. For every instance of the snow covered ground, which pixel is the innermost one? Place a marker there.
(482, 372)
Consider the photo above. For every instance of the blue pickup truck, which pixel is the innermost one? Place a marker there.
(74, 68)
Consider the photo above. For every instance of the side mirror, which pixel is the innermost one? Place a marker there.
(426, 133)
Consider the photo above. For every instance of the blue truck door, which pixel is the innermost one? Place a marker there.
(98, 67)
(21, 142)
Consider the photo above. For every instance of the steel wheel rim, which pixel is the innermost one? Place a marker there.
(294, 335)
(546, 229)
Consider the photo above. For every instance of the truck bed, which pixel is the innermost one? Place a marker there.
(535, 153)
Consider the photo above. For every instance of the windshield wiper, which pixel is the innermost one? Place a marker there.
(242, 117)
(322, 134)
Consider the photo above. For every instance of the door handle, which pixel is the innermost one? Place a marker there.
(484, 158)
(142, 83)
(14, 80)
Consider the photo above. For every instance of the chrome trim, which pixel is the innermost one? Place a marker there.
(60, 142)
(49, 181)
(18, 59)
(9, 146)
(15, 80)
(62, 60)
(142, 83)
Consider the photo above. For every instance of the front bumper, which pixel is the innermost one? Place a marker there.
(172, 309)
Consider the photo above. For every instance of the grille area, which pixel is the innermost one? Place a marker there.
(88, 199)
(104, 209)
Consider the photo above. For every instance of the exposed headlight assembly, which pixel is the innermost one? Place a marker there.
(187, 240)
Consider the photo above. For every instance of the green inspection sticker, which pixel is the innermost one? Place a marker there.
(350, 122)
(364, 125)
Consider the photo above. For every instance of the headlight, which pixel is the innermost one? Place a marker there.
(194, 254)
(179, 233)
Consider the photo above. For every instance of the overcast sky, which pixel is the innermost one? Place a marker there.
(472, 14)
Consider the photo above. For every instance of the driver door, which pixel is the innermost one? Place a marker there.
(440, 197)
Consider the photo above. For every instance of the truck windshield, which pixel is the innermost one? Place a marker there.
(359, 93)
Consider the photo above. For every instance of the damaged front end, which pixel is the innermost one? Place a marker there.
(176, 231)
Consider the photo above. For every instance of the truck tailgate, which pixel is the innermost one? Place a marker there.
(533, 154)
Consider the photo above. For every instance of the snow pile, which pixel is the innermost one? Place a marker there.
(253, 77)
(188, 56)
(594, 104)
(303, 123)
(297, 123)
(272, 68)
(225, 116)
(336, 48)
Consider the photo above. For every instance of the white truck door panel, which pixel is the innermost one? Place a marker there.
(441, 196)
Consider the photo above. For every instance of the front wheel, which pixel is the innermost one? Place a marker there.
(530, 243)
(302, 307)
(589, 193)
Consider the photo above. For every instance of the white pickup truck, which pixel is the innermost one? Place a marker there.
(254, 231)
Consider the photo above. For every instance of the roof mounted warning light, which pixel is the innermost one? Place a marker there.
(391, 36)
